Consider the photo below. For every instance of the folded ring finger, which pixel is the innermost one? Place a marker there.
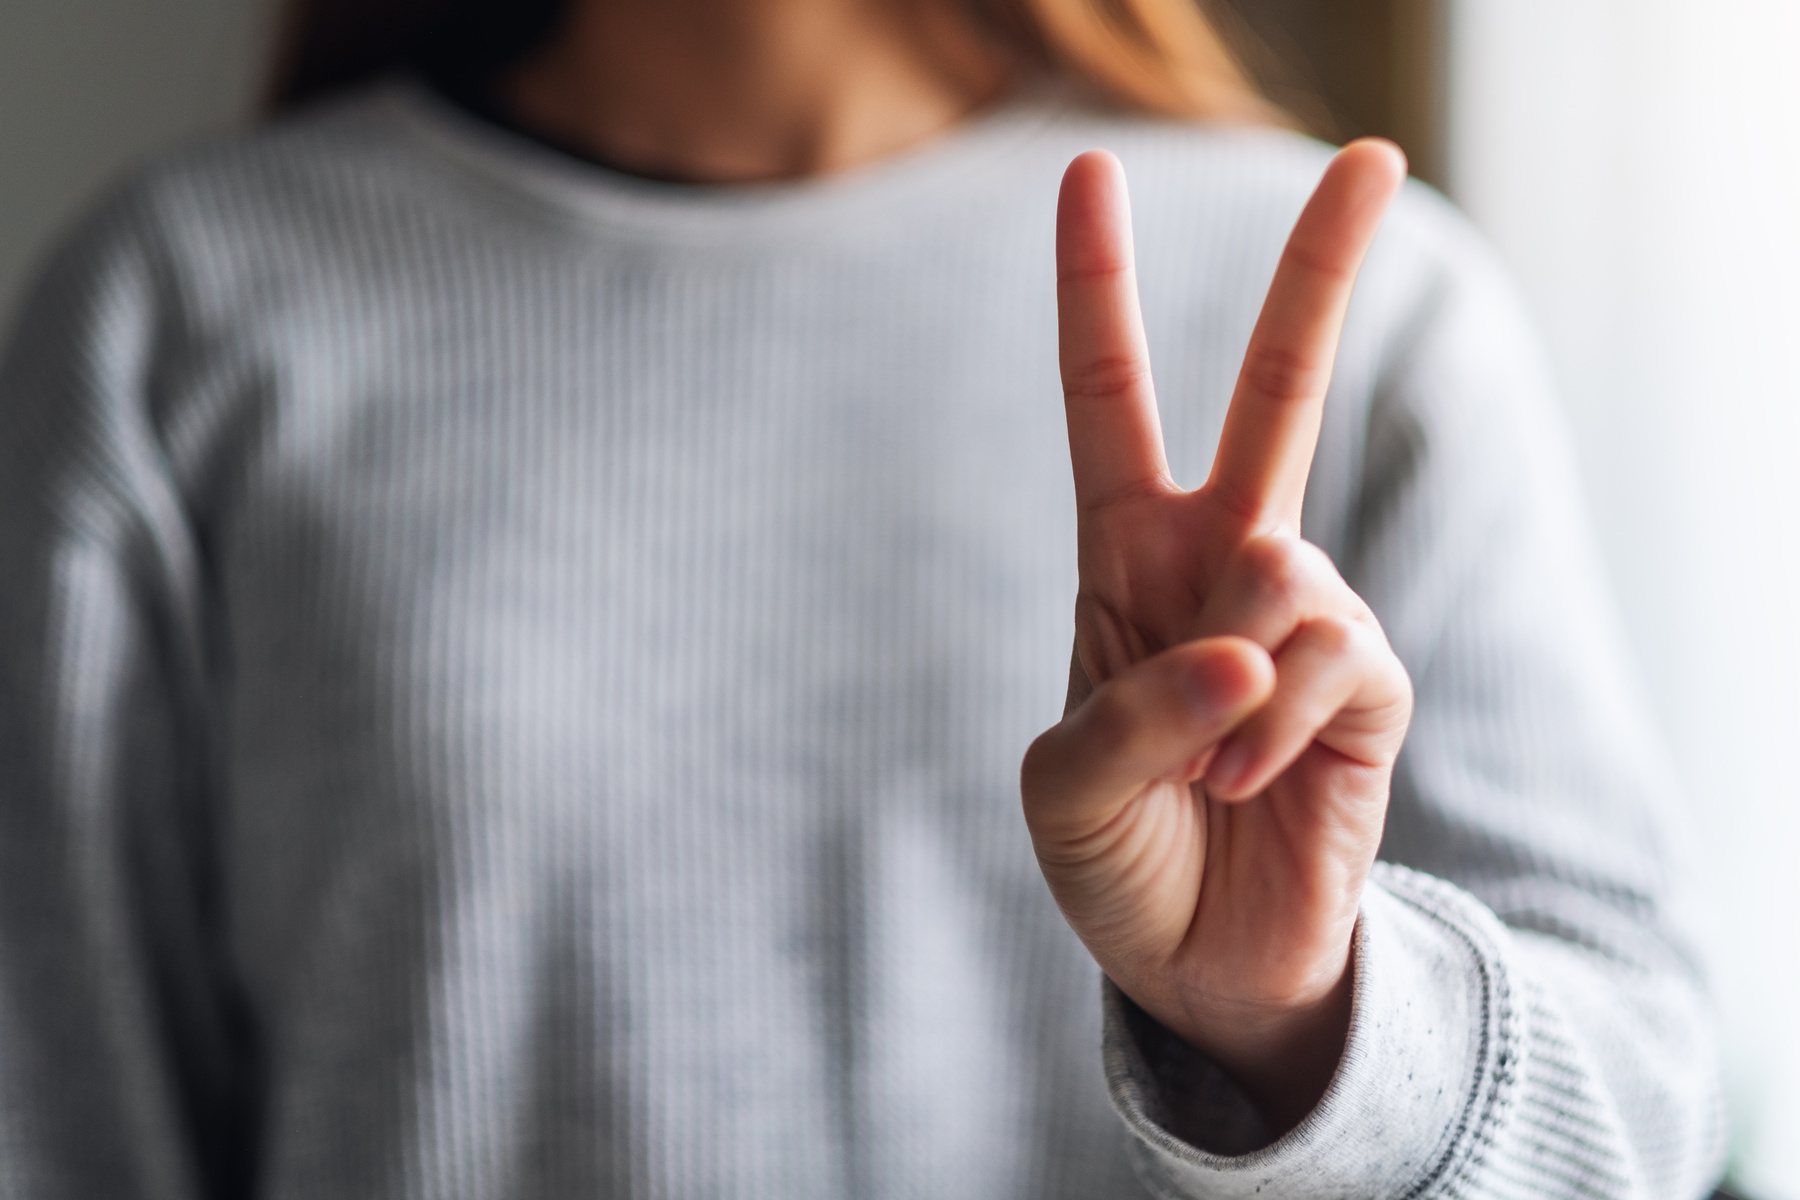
(1326, 665)
(1270, 586)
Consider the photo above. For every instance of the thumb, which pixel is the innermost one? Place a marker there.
(1159, 719)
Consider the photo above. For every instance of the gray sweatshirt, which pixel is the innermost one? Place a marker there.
(512, 683)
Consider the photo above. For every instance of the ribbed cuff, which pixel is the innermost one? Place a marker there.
(1433, 1034)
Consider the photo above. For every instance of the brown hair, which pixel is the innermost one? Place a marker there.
(1156, 56)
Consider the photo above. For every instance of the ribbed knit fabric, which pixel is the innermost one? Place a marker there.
(512, 683)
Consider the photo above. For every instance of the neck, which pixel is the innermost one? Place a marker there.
(740, 91)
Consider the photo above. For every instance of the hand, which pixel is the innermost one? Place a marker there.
(1208, 810)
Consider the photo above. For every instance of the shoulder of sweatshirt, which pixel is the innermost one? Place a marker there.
(378, 188)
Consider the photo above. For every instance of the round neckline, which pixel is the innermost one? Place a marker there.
(937, 174)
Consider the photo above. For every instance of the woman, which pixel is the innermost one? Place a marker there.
(529, 581)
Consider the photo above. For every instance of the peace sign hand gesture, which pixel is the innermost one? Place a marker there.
(1208, 810)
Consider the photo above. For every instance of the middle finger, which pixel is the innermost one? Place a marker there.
(1272, 424)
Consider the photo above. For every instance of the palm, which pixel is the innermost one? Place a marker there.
(1225, 881)
(1238, 890)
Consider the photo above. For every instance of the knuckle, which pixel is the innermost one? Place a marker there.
(1323, 266)
(1111, 728)
(1038, 769)
(1338, 636)
(1317, 564)
(1101, 273)
(1359, 648)
(1403, 686)
(1291, 575)
(1399, 678)
(1278, 570)
(1107, 378)
(1284, 375)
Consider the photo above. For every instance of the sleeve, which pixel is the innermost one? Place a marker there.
(1529, 1016)
(119, 1050)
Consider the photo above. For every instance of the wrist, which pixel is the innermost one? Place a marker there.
(1284, 1056)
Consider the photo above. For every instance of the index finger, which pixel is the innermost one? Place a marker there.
(1272, 426)
(1115, 434)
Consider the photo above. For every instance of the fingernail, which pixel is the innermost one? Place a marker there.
(1228, 768)
(1207, 695)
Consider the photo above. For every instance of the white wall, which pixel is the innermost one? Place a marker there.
(1638, 163)
(87, 86)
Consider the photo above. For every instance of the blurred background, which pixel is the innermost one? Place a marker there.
(1637, 163)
